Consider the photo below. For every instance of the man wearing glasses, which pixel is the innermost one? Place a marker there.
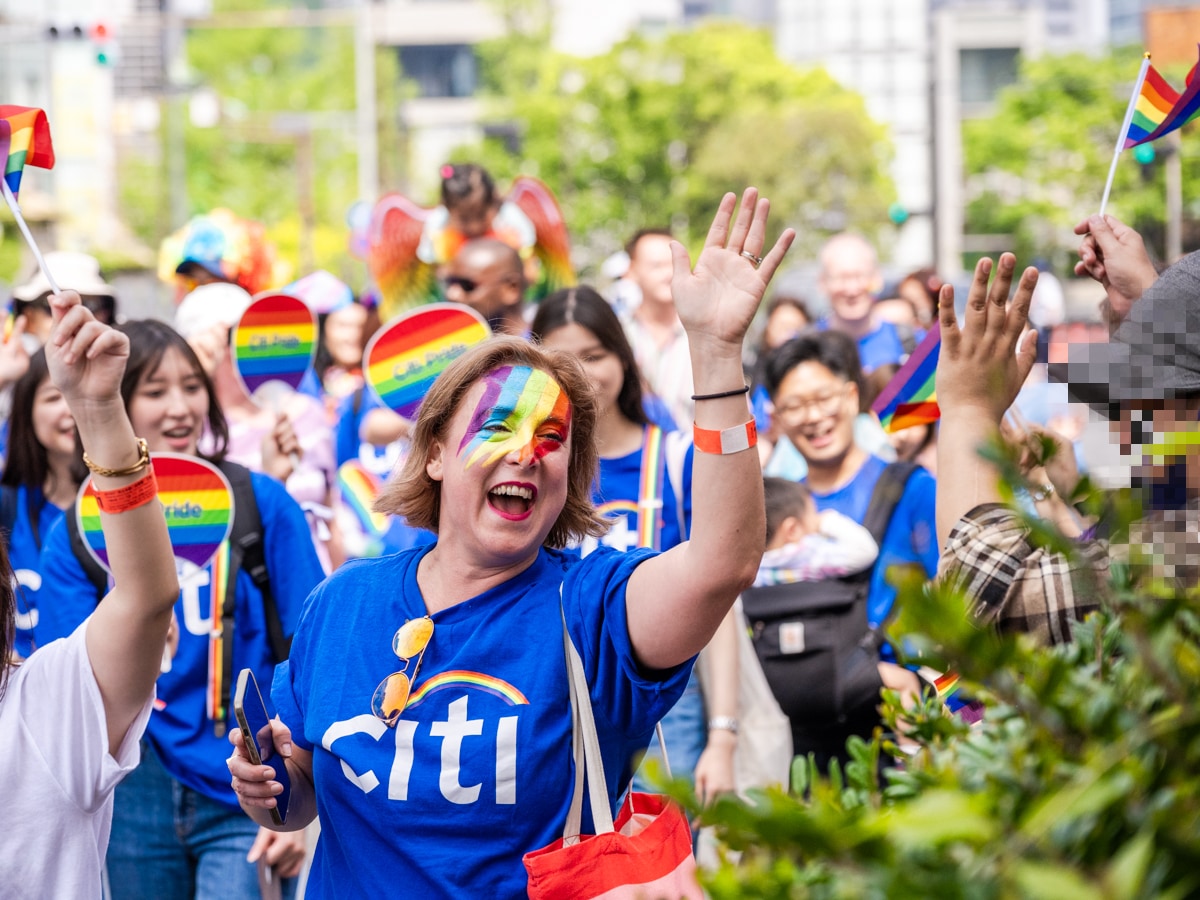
(489, 276)
(814, 382)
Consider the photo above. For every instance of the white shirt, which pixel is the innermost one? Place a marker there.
(56, 774)
(666, 368)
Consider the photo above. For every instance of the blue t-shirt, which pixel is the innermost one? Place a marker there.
(179, 728)
(616, 494)
(877, 348)
(478, 771)
(910, 536)
(24, 549)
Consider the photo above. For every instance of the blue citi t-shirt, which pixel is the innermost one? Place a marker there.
(179, 728)
(911, 536)
(478, 770)
(24, 552)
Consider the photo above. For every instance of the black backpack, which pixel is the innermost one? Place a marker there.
(816, 648)
(245, 552)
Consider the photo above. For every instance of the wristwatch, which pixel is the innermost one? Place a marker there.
(723, 723)
(1041, 492)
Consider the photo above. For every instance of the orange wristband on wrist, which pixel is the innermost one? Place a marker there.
(123, 499)
(729, 440)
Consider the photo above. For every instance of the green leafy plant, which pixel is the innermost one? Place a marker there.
(1081, 781)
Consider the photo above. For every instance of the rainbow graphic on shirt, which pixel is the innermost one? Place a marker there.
(358, 489)
(274, 341)
(461, 678)
(196, 499)
(404, 357)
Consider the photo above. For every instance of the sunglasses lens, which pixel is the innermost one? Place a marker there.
(412, 637)
(391, 697)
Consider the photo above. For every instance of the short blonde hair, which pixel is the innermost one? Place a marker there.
(416, 497)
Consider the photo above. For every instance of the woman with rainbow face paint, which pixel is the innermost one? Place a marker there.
(644, 491)
(424, 706)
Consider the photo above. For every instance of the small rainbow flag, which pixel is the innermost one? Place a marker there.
(405, 356)
(196, 499)
(1161, 109)
(358, 489)
(274, 341)
(910, 397)
(29, 143)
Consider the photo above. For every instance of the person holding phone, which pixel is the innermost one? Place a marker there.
(424, 706)
(72, 714)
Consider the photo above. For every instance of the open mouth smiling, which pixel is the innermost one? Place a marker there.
(512, 500)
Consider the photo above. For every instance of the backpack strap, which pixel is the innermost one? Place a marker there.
(650, 489)
(245, 552)
(94, 571)
(8, 510)
(888, 491)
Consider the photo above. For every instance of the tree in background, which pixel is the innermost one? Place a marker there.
(1037, 166)
(653, 131)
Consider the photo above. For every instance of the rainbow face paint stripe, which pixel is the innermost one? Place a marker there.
(274, 341)
(196, 498)
(405, 356)
(522, 409)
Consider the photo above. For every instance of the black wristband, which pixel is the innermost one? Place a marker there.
(744, 389)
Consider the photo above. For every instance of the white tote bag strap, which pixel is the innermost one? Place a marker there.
(583, 732)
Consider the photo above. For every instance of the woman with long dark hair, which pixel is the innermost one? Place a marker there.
(177, 830)
(42, 474)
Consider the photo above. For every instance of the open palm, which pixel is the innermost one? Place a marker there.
(717, 299)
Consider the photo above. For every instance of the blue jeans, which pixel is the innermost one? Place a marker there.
(170, 842)
(685, 731)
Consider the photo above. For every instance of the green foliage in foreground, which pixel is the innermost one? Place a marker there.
(1082, 781)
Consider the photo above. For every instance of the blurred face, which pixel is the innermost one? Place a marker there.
(472, 217)
(603, 367)
(482, 281)
(169, 406)
(784, 323)
(816, 410)
(908, 441)
(849, 276)
(651, 268)
(53, 425)
(503, 465)
(1159, 434)
(344, 336)
(911, 290)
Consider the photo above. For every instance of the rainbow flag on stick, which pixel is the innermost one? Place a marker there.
(1160, 109)
(910, 398)
(29, 143)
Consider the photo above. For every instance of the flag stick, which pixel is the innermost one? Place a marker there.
(1137, 92)
(37, 254)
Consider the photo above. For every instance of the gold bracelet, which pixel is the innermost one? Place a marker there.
(143, 462)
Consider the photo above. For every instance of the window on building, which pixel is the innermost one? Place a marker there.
(440, 70)
(984, 72)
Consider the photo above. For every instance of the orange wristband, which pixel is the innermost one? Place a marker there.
(123, 499)
(729, 440)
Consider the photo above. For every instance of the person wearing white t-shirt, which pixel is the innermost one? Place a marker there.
(72, 714)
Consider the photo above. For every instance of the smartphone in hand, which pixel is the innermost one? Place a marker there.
(255, 724)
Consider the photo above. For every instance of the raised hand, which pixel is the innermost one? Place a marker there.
(979, 368)
(716, 300)
(1114, 255)
(86, 358)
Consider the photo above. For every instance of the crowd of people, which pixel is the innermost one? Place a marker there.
(591, 476)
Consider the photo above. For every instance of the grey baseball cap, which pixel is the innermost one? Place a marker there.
(1153, 355)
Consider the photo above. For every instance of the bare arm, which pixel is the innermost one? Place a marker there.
(978, 376)
(719, 677)
(126, 634)
(675, 601)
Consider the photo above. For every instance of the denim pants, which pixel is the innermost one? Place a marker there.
(685, 731)
(170, 842)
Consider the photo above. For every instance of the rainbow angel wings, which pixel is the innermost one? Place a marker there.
(405, 280)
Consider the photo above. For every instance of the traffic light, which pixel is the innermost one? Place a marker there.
(1144, 153)
(103, 43)
(897, 213)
